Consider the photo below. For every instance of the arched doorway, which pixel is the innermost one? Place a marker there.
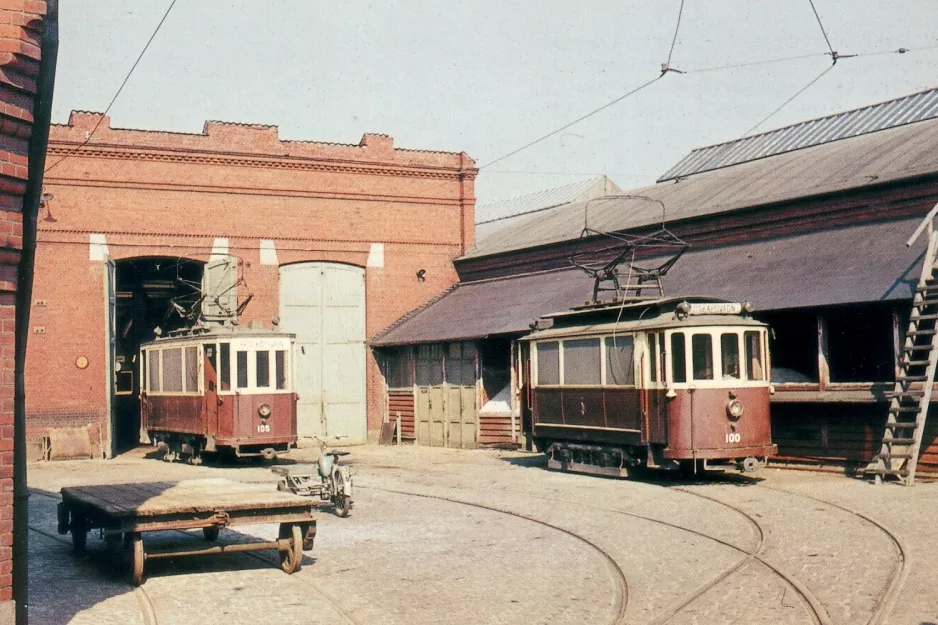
(324, 305)
(148, 292)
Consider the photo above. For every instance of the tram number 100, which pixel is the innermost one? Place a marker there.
(733, 437)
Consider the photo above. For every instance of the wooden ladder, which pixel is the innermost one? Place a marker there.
(918, 361)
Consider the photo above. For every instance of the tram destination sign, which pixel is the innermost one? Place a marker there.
(715, 308)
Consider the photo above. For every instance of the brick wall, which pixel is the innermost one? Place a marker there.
(20, 40)
(172, 194)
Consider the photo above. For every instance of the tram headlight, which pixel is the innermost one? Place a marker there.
(734, 408)
(264, 411)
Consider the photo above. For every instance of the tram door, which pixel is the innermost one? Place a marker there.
(210, 400)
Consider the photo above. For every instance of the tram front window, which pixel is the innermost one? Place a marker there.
(729, 351)
(702, 356)
(754, 367)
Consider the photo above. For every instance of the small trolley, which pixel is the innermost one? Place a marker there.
(123, 512)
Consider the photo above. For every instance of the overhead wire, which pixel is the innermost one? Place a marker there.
(119, 89)
(833, 52)
(574, 122)
(789, 100)
(677, 27)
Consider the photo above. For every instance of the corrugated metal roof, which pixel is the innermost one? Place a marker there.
(865, 263)
(906, 110)
(889, 155)
(548, 198)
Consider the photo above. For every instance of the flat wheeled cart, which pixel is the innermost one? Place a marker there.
(123, 512)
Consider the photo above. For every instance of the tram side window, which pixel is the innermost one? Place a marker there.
(548, 363)
(653, 357)
(262, 369)
(172, 370)
(678, 357)
(280, 366)
(729, 351)
(701, 346)
(754, 367)
(619, 368)
(241, 361)
(581, 362)
(224, 365)
(153, 370)
(192, 369)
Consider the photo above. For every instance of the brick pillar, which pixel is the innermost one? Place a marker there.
(20, 51)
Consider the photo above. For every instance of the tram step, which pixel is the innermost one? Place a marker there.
(916, 395)
(896, 472)
(905, 425)
(915, 408)
(921, 332)
(918, 348)
(914, 363)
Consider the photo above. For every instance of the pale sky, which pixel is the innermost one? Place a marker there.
(487, 77)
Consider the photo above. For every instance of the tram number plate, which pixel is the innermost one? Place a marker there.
(733, 437)
(264, 427)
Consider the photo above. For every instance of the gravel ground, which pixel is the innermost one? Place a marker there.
(483, 536)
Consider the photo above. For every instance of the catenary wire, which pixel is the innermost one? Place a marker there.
(119, 89)
(677, 27)
(823, 32)
(574, 122)
(788, 101)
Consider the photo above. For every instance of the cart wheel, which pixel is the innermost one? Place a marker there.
(340, 500)
(136, 559)
(79, 538)
(210, 533)
(291, 560)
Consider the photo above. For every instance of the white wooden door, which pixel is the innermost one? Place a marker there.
(324, 305)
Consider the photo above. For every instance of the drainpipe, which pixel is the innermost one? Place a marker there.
(38, 141)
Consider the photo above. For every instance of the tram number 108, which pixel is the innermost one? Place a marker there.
(264, 427)
(733, 437)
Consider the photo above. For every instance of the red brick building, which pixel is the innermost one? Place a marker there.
(351, 236)
(28, 44)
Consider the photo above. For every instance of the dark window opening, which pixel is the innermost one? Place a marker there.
(399, 367)
(461, 364)
(860, 344)
(653, 357)
(224, 361)
(679, 357)
(729, 353)
(242, 365)
(495, 363)
(793, 346)
(429, 365)
(701, 346)
(280, 363)
(262, 369)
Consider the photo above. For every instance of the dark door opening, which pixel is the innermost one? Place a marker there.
(151, 292)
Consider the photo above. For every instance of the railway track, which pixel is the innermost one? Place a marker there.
(620, 582)
(887, 599)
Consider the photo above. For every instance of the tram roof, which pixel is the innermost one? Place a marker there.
(862, 263)
(664, 320)
(209, 333)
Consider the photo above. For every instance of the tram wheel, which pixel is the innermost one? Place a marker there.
(291, 560)
(136, 559)
(210, 533)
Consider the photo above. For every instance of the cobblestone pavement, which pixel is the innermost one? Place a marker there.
(449, 536)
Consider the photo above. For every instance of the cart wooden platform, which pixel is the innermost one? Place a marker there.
(123, 512)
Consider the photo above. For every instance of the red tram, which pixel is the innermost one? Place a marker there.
(218, 389)
(679, 383)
